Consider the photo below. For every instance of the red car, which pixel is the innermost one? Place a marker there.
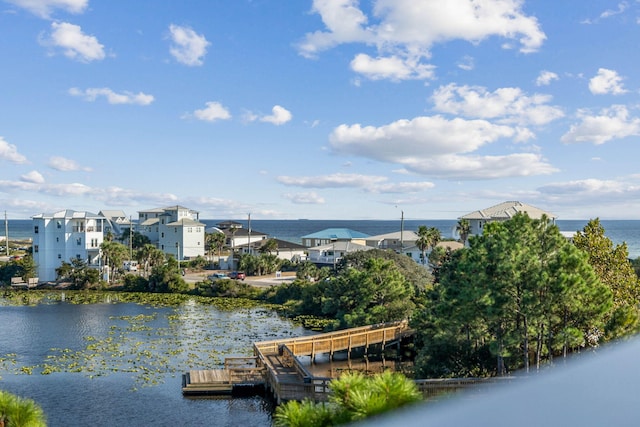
(238, 275)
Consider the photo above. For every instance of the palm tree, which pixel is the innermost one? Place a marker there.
(20, 412)
(423, 241)
(269, 246)
(214, 242)
(233, 230)
(428, 237)
(463, 228)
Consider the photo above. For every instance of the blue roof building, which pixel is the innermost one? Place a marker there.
(331, 235)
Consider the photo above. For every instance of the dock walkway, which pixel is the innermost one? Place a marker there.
(276, 367)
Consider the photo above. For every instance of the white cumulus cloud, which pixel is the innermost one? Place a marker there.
(611, 123)
(279, 116)
(438, 147)
(403, 32)
(391, 67)
(33, 176)
(188, 47)
(606, 82)
(74, 43)
(10, 152)
(507, 105)
(546, 77)
(212, 112)
(91, 94)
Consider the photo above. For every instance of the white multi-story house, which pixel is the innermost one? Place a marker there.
(175, 230)
(64, 235)
(502, 212)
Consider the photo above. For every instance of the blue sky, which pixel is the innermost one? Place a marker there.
(325, 109)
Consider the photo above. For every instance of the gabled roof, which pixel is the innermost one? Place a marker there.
(185, 222)
(115, 215)
(241, 232)
(282, 245)
(336, 233)
(506, 210)
(150, 221)
(69, 214)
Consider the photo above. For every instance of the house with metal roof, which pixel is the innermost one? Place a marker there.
(503, 212)
(331, 235)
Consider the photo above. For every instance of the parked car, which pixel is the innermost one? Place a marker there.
(217, 276)
(238, 275)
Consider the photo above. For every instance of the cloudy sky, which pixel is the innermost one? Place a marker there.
(320, 109)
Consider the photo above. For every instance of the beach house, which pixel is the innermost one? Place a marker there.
(175, 230)
(64, 235)
(330, 235)
(502, 212)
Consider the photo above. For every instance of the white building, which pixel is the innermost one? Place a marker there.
(397, 241)
(331, 254)
(175, 230)
(503, 212)
(64, 235)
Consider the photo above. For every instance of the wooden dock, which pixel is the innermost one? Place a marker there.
(276, 367)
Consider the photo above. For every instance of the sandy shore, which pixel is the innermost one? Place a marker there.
(258, 281)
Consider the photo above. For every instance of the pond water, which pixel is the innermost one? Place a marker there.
(121, 363)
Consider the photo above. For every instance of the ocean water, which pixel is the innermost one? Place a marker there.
(619, 231)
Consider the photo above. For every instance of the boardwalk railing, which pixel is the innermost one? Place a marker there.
(346, 339)
(288, 379)
(276, 365)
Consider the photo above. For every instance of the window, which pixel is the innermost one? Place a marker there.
(35, 248)
(57, 239)
(78, 256)
(79, 241)
(162, 235)
(59, 256)
(35, 229)
(58, 224)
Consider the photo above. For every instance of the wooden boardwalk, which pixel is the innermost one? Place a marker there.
(276, 366)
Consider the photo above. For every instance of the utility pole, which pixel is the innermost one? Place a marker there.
(6, 233)
(249, 234)
(402, 232)
(130, 240)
